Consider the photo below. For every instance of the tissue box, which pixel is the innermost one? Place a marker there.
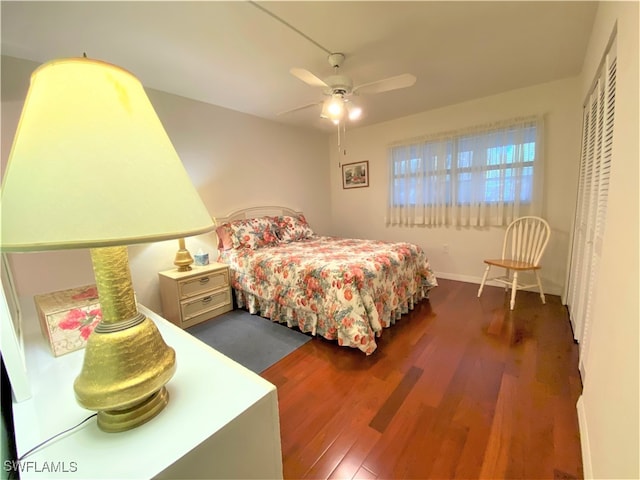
(68, 317)
(202, 259)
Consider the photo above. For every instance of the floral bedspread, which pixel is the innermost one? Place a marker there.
(342, 289)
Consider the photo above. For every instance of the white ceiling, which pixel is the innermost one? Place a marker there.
(235, 55)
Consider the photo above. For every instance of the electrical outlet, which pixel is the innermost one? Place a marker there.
(445, 248)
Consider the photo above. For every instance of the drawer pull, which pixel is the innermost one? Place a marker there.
(207, 299)
(204, 280)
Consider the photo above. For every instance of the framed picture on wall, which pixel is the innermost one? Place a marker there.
(355, 175)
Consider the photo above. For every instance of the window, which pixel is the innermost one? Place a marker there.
(484, 176)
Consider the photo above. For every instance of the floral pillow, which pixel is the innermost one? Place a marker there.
(224, 232)
(291, 229)
(253, 233)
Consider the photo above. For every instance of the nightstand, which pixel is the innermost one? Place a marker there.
(196, 295)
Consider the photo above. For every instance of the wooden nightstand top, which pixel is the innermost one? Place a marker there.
(195, 270)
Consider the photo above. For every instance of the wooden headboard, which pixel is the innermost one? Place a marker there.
(254, 212)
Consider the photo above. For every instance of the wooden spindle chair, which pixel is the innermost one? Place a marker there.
(524, 243)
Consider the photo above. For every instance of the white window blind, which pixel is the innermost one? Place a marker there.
(591, 210)
(485, 175)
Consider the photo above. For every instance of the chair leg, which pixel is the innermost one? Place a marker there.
(540, 286)
(514, 287)
(484, 279)
(507, 274)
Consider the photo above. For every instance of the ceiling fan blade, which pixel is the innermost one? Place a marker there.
(308, 105)
(386, 84)
(307, 77)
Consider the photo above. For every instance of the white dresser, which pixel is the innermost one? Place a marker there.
(221, 421)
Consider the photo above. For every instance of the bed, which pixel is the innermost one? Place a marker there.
(347, 290)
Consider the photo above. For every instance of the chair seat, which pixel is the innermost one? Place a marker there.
(512, 264)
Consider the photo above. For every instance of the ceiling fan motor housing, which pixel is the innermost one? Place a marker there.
(338, 84)
(336, 59)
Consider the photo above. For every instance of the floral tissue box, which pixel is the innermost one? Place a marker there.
(68, 317)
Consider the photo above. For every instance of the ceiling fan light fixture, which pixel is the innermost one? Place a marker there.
(335, 107)
(354, 111)
(339, 87)
(325, 109)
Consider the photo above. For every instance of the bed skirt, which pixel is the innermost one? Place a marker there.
(314, 323)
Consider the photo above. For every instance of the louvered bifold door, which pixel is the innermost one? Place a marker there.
(581, 241)
(593, 190)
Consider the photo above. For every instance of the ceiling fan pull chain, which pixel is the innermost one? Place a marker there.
(344, 134)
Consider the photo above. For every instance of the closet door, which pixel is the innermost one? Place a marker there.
(591, 212)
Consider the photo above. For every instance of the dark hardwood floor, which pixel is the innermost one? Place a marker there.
(460, 388)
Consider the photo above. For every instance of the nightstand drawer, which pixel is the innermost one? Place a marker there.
(205, 316)
(203, 283)
(194, 307)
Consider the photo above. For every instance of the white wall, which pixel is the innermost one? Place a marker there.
(608, 408)
(361, 212)
(235, 160)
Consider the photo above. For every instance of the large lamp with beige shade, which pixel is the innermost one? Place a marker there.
(91, 166)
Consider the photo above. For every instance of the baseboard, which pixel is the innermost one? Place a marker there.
(465, 278)
(584, 439)
(550, 290)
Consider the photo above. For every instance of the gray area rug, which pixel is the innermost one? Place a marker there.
(252, 341)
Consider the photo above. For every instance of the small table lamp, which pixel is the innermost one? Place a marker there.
(183, 258)
(91, 166)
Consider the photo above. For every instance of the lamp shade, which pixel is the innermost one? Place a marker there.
(92, 166)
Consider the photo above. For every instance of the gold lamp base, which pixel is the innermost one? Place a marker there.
(126, 361)
(128, 418)
(124, 374)
(183, 258)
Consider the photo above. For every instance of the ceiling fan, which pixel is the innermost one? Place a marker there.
(339, 88)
